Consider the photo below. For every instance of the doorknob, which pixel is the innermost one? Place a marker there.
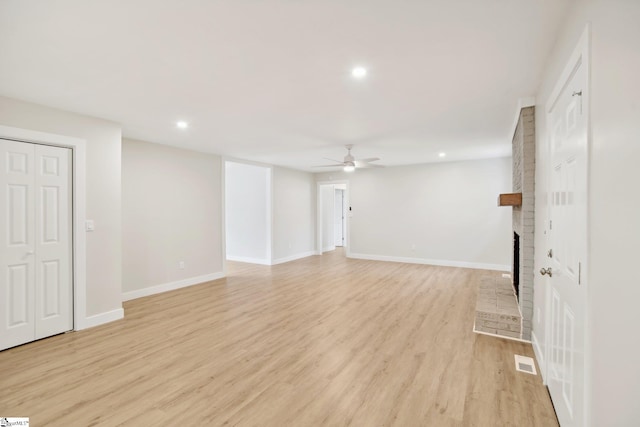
(544, 271)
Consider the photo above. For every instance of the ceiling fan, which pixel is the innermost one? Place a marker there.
(350, 163)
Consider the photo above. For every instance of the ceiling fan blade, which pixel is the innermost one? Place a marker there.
(371, 159)
(333, 160)
(364, 165)
(337, 165)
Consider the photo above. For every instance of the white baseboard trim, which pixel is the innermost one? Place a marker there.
(328, 249)
(537, 350)
(498, 336)
(101, 319)
(293, 257)
(261, 261)
(165, 287)
(439, 262)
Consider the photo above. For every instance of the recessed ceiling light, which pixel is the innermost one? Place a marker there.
(442, 154)
(182, 124)
(359, 72)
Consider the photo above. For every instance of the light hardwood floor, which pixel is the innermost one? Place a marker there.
(323, 341)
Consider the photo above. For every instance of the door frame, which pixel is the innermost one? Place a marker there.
(343, 219)
(78, 209)
(581, 55)
(347, 240)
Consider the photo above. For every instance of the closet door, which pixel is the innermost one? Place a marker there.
(17, 246)
(35, 242)
(53, 287)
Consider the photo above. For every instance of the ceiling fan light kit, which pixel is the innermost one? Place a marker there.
(350, 163)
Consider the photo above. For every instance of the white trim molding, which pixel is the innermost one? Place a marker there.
(537, 351)
(438, 262)
(249, 260)
(171, 286)
(102, 318)
(293, 257)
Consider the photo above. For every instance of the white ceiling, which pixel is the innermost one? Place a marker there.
(269, 80)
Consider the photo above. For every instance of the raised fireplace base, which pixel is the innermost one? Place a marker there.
(497, 311)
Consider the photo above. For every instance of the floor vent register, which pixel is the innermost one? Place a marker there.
(525, 364)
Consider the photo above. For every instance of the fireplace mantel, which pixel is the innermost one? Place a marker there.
(510, 199)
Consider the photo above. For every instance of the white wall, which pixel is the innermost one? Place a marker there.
(293, 214)
(613, 291)
(171, 213)
(327, 194)
(447, 210)
(103, 142)
(248, 212)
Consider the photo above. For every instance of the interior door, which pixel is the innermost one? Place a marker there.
(35, 242)
(567, 245)
(53, 305)
(17, 249)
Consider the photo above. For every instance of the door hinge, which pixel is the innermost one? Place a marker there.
(579, 273)
(550, 225)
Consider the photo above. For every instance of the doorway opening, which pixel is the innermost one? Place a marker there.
(339, 215)
(247, 212)
(332, 223)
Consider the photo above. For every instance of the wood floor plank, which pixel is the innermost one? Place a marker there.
(320, 341)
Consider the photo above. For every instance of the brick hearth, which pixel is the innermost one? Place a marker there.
(497, 310)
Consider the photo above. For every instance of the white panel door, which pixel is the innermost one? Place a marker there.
(53, 257)
(35, 242)
(567, 242)
(17, 248)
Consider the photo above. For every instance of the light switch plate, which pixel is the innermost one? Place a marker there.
(89, 225)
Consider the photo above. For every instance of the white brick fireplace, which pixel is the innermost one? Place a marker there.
(505, 306)
(524, 152)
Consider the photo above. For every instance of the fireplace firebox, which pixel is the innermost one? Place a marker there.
(516, 264)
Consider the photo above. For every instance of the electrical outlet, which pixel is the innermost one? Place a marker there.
(181, 265)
